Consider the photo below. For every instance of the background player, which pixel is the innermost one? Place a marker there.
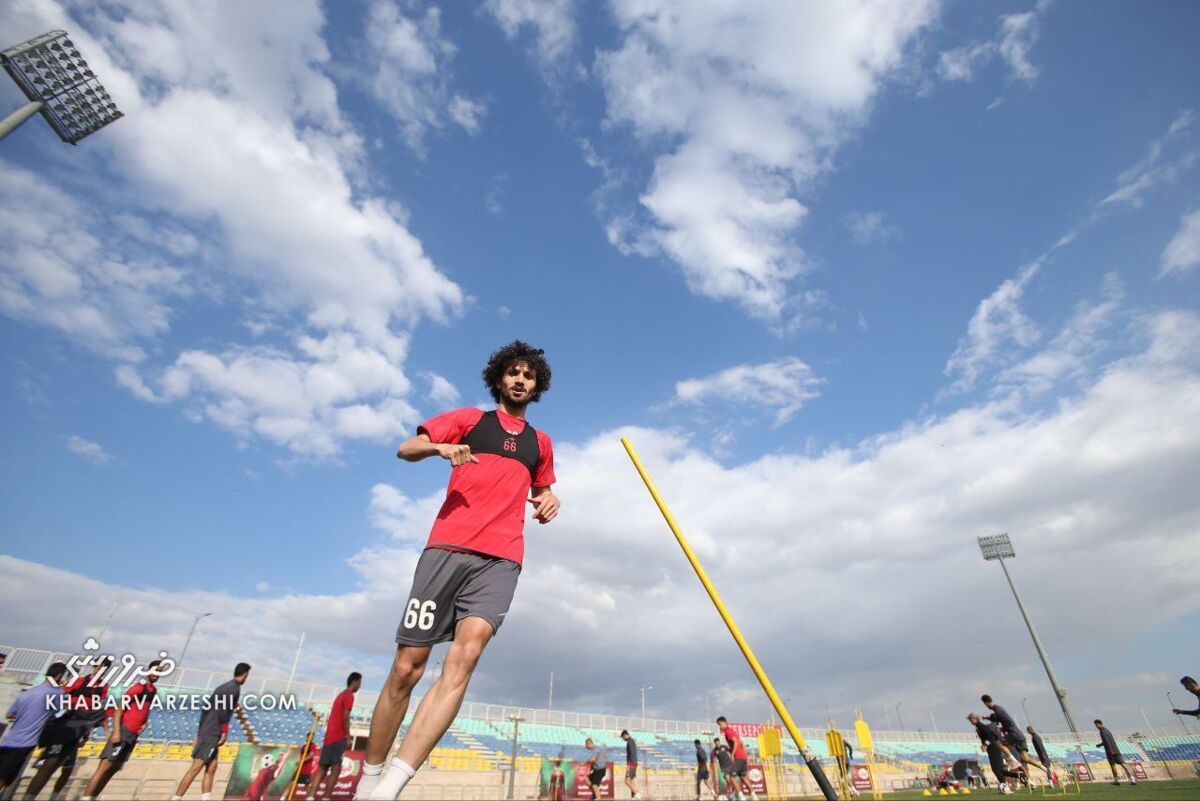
(738, 751)
(702, 776)
(26, 718)
(597, 767)
(212, 732)
(1112, 752)
(992, 742)
(64, 733)
(128, 719)
(337, 735)
(466, 577)
(1043, 756)
(631, 763)
(723, 768)
(1018, 746)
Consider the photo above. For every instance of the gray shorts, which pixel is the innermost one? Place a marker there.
(332, 753)
(207, 748)
(451, 585)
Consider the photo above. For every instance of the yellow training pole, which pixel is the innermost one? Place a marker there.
(809, 757)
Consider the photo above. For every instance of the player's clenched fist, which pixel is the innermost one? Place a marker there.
(456, 454)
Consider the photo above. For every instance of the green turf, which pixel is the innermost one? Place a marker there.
(1091, 791)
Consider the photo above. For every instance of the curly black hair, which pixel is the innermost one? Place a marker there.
(512, 353)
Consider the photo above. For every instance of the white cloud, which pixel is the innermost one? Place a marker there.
(744, 106)
(247, 162)
(308, 399)
(409, 66)
(780, 388)
(1182, 253)
(552, 23)
(1014, 38)
(1159, 165)
(997, 324)
(1102, 481)
(868, 227)
(91, 451)
(441, 392)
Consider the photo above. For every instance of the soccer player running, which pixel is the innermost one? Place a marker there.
(597, 767)
(724, 767)
(631, 763)
(1112, 753)
(702, 776)
(66, 731)
(27, 717)
(337, 734)
(466, 577)
(738, 750)
(1018, 746)
(993, 745)
(128, 719)
(1039, 748)
(212, 733)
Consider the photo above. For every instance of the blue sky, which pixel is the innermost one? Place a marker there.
(866, 280)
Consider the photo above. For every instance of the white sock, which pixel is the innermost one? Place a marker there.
(394, 780)
(371, 774)
(206, 797)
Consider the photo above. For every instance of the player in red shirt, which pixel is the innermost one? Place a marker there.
(128, 719)
(737, 771)
(337, 733)
(466, 577)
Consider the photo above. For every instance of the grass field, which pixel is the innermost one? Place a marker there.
(1145, 791)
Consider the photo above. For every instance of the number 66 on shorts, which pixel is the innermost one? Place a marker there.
(419, 615)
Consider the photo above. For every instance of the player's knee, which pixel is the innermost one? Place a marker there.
(406, 672)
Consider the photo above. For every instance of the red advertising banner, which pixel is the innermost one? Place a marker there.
(757, 779)
(347, 783)
(1083, 772)
(1139, 772)
(581, 790)
(860, 777)
(751, 730)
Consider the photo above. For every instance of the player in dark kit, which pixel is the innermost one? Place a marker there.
(993, 745)
(337, 735)
(64, 733)
(1039, 748)
(466, 577)
(723, 768)
(1112, 753)
(738, 749)
(212, 732)
(631, 763)
(702, 770)
(128, 719)
(1018, 746)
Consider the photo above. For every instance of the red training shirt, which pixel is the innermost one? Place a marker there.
(735, 743)
(484, 510)
(334, 730)
(135, 707)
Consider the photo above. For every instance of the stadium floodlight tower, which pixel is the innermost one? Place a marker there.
(996, 549)
(57, 82)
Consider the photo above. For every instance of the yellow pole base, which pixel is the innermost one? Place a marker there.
(926, 792)
(942, 791)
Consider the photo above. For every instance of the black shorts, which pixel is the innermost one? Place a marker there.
(332, 753)
(631, 771)
(597, 775)
(207, 748)
(450, 585)
(12, 760)
(1116, 759)
(118, 753)
(738, 768)
(701, 773)
(60, 741)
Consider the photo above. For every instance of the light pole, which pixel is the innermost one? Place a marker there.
(900, 717)
(1025, 709)
(186, 643)
(933, 720)
(643, 689)
(58, 83)
(999, 548)
(512, 765)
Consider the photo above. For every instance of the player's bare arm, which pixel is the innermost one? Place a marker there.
(545, 504)
(414, 449)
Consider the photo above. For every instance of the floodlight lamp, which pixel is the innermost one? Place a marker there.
(49, 70)
(997, 547)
